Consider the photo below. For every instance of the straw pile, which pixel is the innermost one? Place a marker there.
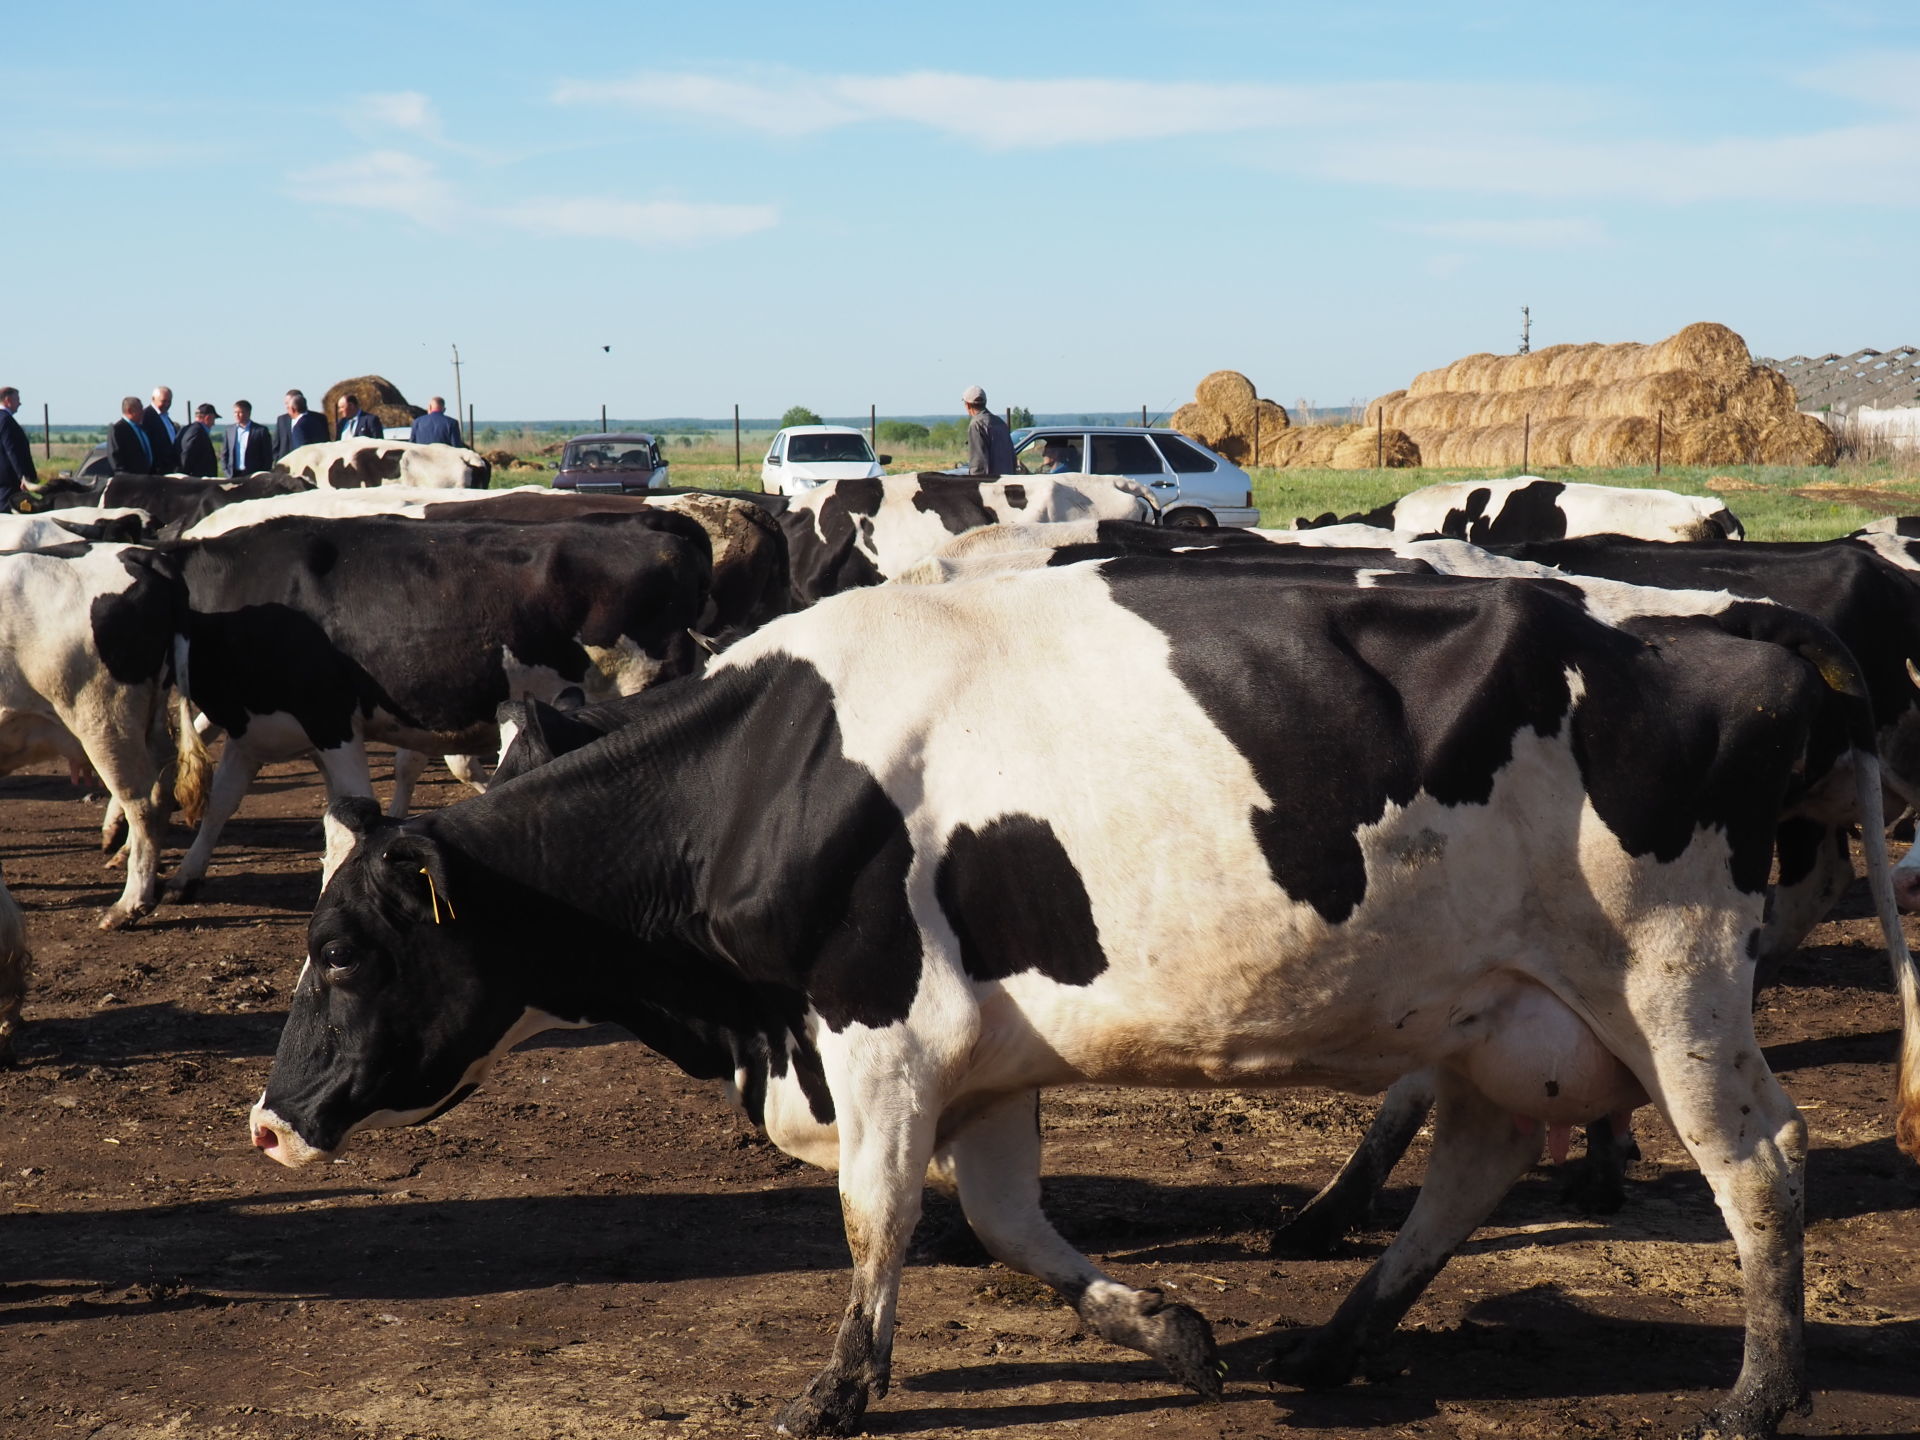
(377, 395)
(1227, 416)
(1597, 405)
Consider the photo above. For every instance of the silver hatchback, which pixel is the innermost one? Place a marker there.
(1190, 484)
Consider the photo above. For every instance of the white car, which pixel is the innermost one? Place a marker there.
(1190, 484)
(803, 456)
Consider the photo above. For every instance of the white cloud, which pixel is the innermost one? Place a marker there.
(1539, 141)
(667, 222)
(1516, 234)
(387, 180)
(398, 183)
(1003, 114)
(404, 110)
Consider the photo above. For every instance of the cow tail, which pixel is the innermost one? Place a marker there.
(192, 765)
(1873, 845)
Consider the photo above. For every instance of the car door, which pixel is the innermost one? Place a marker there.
(1033, 449)
(1133, 456)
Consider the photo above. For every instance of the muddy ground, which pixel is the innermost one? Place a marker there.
(595, 1246)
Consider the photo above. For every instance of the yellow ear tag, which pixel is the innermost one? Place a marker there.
(435, 896)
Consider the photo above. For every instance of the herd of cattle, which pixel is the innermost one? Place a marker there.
(894, 804)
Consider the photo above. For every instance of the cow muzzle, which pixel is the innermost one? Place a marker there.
(280, 1140)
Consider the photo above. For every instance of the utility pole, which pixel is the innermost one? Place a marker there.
(1526, 329)
(459, 400)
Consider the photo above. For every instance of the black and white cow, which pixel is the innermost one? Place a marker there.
(849, 533)
(85, 644)
(351, 464)
(316, 636)
(44, 532)
(172, 503)
(1505, 512)
(1133, 822)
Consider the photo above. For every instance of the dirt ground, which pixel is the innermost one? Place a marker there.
(595, 1246)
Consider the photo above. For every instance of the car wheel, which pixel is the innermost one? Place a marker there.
(1189, 519)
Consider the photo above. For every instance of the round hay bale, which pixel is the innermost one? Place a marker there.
(1273, 416)
(1228, 393)
(1764, 397)
(1716, 440)
(1370, 449)
(1387, 402)
(1204, 424)
(1713, 351)
(1796, 439)
(377, 395)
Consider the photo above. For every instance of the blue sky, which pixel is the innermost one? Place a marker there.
(1077, 206)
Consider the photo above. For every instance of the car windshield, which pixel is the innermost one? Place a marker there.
(827, 449)
(605, 455)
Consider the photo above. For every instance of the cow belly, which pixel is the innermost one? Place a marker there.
(1534, 1057)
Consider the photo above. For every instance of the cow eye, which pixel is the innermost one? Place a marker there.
(339, 958)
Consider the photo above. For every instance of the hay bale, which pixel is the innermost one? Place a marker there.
(1796, 439)
(1311, 446)
(377, 395)
(1369, 449)
(1599, 405)
(1230, 395)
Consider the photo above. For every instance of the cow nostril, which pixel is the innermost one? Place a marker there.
(264, 1137)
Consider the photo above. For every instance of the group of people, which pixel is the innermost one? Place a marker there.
(147, 440)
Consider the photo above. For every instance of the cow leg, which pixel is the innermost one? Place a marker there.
(1815, 870)
(128, 776)
(1751, 1146)
(1344, 1203)
(995, 1162)
(886, 1140)
(232, 777)
(111, 825)
(407, 767)
(467, 769)
(1478, 1152)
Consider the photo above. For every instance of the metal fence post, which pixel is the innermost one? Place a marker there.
(736, 436)
(46, 433)
(873, 427)
(603, 419)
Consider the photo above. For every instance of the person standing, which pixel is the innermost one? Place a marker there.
(16, 451)
(197, 455)
(436, 427)
(358, 424)
(299, 426)
(249, 446)
(129, 447)
(989, 442)
(161, 430)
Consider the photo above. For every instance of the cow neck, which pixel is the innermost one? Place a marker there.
(606, 859)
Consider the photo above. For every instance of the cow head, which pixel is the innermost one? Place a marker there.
(400, 1010)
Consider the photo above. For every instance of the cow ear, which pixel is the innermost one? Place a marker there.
(416, 866)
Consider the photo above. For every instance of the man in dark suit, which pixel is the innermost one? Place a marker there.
(161, 430)
(249, 446)
(197, 455)
(299, 426)
(128, 445)
(356, 423)
(16, 452)
(436, 427)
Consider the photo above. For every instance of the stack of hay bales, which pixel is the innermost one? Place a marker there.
(1230, 419)
(377, 395)
(1597, 405)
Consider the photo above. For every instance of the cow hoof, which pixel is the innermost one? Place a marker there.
(1180, 1339)
(832, 1405)
(1314, 1231)
(123, 917)
(1310, 1359)
(179, 892)
(116, 861)
(1593, 1188)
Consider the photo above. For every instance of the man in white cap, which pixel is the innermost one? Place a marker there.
(989, 443)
